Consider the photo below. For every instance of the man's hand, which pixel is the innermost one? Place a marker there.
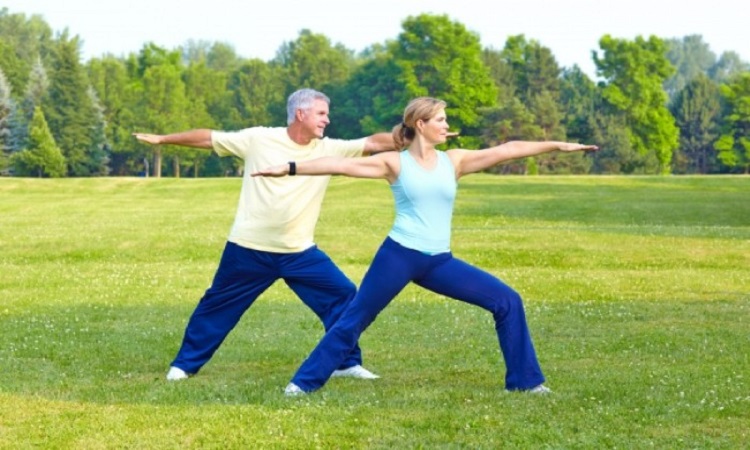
(571, 147)
(153, 139)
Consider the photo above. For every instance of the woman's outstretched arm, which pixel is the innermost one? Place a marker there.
(380, 165)
(470, 161)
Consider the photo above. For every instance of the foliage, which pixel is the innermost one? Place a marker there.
(441, 58)
(519, 91)
(697, 110)
(634, 73)
(42, 156)
(372, 100)
(7, 112)
(727, 67)
(22, 41)
(734, 144)
(312, 61)
(70, 112)
(691, 58)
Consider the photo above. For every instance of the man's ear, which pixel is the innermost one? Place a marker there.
(299, 114)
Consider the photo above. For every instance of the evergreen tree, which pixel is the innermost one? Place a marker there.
(7, 111)
(42, 157)
(697, 110)
(69, 111)
(22, 41)
(99, 145)
(115, 94)
(36, 90)
(508, 122)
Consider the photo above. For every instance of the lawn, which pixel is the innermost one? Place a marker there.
(637, 293)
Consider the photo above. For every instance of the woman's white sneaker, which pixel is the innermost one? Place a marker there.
(175, 373)
(541, 389)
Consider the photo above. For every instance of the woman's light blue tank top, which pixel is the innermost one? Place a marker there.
(424, 204)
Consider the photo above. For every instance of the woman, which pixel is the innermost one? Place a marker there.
(417, 249)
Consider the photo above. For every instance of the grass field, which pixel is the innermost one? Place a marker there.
(637, 292)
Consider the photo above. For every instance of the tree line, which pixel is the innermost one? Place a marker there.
(658, 106)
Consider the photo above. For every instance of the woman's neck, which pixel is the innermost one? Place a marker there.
(420, 149)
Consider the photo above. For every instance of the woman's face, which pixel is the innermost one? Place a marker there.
(435, 129)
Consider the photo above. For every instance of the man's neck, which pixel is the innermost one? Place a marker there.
(297, 135)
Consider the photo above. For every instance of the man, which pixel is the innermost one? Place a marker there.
(272, 235)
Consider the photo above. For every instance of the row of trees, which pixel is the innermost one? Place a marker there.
(659, 106)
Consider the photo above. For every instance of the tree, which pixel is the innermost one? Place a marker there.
(312, 61)
(22, 42)
(441, 58)
(42, 157)
(528, 77)
(507, 122)
(579, 98)
(36, 92)
(165, 107)
(253, 88)
(373, 98)
(116, 94)
(697, 110)
(70, 112)
(616, 154)
(634, 73)
(728, 66)
(501, 72)
(734, 143)
(7, 111)
(691, 58)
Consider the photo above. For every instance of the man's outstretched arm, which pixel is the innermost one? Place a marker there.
(379, 142)
(199, 138)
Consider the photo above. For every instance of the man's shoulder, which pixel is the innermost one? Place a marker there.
(245, 134)
(263, 131)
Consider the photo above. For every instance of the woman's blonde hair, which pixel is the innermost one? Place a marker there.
(420, 108)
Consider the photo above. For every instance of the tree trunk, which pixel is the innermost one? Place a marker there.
(157, 162)
(176, 166)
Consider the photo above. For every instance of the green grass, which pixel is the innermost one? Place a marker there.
(636, 289)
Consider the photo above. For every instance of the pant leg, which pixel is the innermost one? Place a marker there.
(242, 275)
(323, 287)
(459, 280)
(388, 274)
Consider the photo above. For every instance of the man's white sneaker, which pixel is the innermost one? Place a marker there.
(175, 373)
(355, 372)
(541, 389)
(292, 390)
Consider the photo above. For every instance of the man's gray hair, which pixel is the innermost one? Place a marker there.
(302, 99)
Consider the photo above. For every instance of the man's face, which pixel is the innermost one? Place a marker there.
(315, 119)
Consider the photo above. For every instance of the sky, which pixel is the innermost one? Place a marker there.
(571, 29)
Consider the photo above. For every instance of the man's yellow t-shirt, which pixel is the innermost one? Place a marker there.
(278, 214)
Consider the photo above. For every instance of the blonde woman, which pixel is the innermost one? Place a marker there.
(417, 249)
